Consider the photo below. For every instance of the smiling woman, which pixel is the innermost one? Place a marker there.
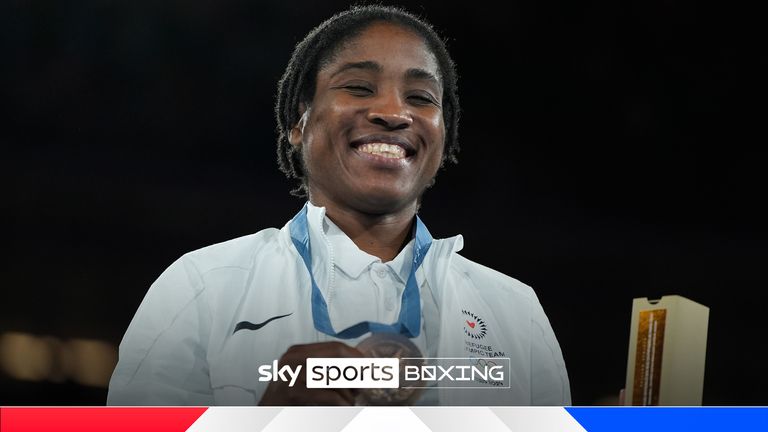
(433, 70)
(367, 114)
(372, 136)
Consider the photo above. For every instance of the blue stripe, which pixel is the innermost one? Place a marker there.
(663, 419)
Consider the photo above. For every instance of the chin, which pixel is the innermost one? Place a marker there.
(383, 200)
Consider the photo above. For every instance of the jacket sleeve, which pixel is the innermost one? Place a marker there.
(162, 357)
(549, 378)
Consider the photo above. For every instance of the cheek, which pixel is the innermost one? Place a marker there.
(341, 118)
(434, 124)
(327, 125)
(437, 126)
(315, 141)
(313, 150)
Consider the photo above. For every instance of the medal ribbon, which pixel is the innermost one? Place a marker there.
(409, 320)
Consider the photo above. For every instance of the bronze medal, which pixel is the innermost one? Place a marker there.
(391, 345)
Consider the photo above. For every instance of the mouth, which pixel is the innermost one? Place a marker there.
(388, 147)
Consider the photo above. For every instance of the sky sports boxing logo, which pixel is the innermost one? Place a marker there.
(389, 373)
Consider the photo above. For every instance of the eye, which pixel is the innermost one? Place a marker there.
(358, 90)
(423, 99)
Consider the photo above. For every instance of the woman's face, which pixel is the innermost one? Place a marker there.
(372, 138)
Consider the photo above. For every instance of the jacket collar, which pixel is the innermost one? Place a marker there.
(436, 263)
(332, 246)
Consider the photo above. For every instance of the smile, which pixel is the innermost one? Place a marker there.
(390, 151)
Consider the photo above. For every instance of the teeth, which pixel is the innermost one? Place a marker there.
(384, 150)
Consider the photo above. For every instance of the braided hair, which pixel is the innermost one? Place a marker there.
(298, 83)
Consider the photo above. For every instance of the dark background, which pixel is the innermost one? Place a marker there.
(610, 151)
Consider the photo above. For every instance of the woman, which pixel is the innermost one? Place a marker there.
(367, 113)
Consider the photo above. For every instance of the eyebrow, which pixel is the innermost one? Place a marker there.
(421, 74)
(368, 65)
(363, 65)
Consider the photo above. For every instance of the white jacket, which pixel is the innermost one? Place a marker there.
(180, 348)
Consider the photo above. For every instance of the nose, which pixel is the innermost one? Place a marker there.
(389, 111)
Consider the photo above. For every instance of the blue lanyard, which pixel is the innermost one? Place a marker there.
(409, 321)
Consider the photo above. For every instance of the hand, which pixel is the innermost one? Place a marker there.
(278, 392)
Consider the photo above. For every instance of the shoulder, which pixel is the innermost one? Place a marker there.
(491, 281)
(237, 253)
(226, 264)
(206, 278)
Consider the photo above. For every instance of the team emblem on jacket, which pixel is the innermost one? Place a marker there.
(474, 326)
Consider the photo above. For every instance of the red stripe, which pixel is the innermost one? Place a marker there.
(101, 419)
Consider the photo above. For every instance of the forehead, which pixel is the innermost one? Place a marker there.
(393, 46)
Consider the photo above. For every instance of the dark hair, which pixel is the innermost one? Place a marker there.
(299, 79)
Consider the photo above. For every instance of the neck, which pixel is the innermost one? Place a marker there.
(380, 235)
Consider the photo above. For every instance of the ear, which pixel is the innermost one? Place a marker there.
(297, 132)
